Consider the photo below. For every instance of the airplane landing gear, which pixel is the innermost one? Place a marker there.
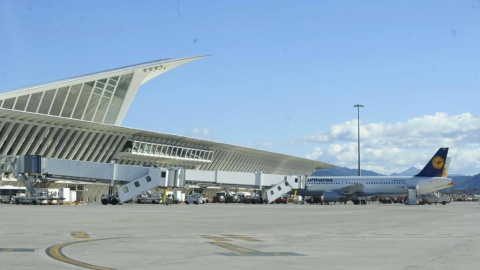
(358, 201)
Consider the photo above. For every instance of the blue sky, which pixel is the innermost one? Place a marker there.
(283, 76)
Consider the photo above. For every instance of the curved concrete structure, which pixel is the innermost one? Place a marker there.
(79, 118)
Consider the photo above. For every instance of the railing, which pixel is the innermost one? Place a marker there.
(8, 164)
(170, 151)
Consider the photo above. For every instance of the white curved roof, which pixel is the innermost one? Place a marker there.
(101, 97)
(78, 118)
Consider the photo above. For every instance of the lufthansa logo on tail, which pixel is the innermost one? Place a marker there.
(437, 162)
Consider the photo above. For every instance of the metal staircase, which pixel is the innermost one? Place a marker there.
(291, 182)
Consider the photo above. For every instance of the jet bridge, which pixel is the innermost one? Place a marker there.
(277, 185)
(134, 180)
(290, 183)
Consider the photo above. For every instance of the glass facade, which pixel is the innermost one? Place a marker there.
(8, 103)
(59, 101)
(117, 98)
(168, 151)
(72, 97)
(21, 103)
(34, 102)
(96, 101)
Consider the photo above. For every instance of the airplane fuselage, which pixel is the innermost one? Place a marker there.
(375, 185)
(343, 188)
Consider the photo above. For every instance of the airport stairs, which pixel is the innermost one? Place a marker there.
(292, 182)
(156, 177)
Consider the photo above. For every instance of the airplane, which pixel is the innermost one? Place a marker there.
(433, 177)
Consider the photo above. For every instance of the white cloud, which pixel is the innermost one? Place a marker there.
(261, 145)
(201, 131)
(388, 148)
(315, 154)
(266, 144)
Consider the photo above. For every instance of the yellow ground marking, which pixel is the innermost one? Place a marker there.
(56, 253)
(215, 238)
(244, 238)
(79, 235)
(234, 248)
(17, 250)
(241, 251)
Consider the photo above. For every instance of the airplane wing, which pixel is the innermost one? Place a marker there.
(351, 189)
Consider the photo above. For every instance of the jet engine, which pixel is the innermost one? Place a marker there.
(332, 196)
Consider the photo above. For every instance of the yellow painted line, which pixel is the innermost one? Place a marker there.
(79, 235)
(244, 238)
(17, 250)
(56, 253)
(240, 251)
(234, 248)
(215, 238)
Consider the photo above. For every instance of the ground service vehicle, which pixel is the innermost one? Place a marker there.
(42, 196)
(430, 198)
(110, 199)
(8, 191)
(195, 198)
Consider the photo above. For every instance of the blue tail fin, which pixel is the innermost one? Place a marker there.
(434, 167)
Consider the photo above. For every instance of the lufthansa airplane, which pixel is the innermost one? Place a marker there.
(356, 188)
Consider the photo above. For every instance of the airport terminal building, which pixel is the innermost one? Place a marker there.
(79, 119)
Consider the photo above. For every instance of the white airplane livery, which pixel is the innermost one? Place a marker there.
(356, 188)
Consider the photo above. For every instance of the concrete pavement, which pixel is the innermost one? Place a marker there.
(238, 236)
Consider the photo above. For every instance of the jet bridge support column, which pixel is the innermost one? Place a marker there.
(412, 191)
(258, 182)
(26, 169)
(28, 182)
(112, 182)
(164, 196)
(412, 197)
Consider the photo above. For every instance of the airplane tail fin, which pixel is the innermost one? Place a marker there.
(435, 167)
(447, 165)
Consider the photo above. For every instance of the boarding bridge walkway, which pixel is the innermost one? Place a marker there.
(288, 184)
(133, 180)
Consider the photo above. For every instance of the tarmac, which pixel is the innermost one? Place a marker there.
(238, 236)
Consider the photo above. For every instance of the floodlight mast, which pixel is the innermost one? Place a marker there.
(358, 106)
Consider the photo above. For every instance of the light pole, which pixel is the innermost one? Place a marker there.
(358, 106)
